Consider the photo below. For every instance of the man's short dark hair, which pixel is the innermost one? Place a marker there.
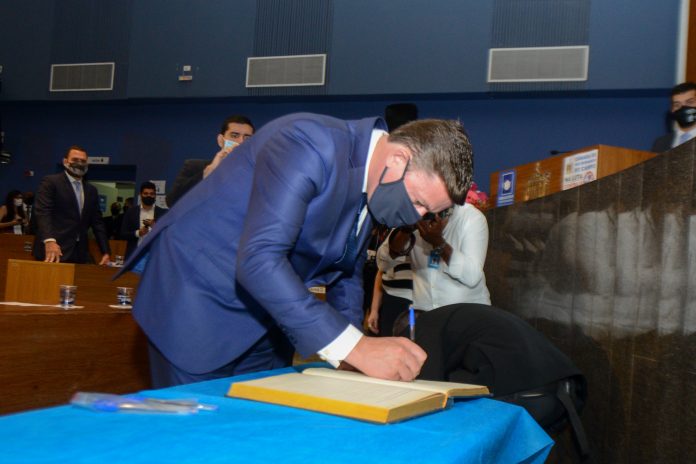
(148, 185)
(237, 119)
(683, 88)
(73, 147)
(440, 147)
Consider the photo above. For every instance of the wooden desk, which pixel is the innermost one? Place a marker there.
(47, 354)
(20, 247)
(94, 283)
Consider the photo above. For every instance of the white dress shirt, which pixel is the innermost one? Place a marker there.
(341, 346)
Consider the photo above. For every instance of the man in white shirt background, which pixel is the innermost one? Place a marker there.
(138, 221)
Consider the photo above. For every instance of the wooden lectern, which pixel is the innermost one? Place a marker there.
(561, 172)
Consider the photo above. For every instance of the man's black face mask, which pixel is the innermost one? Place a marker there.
(685, 116)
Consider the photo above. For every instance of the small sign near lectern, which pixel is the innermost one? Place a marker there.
(579, 169)
(506, 188)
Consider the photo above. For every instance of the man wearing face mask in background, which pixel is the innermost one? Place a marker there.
(683, 112)
(65, 208)
(139, 221)
(235, 130)
(226, 272)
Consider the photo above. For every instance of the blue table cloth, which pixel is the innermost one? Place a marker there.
(240, 431)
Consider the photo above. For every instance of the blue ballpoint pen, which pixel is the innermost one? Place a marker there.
(412, 323)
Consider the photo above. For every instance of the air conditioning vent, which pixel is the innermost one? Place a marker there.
(538, 64)
(82, 77)
(286, 71)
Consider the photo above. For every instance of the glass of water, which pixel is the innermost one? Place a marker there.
(124, 296)
(67, 296)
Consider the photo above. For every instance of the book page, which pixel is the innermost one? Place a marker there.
(346, 390)
(446, 388)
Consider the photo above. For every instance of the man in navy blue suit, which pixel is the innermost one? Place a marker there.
(226, 272)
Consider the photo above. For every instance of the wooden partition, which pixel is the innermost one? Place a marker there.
(607, 272)
(13, 247)
(36, 281)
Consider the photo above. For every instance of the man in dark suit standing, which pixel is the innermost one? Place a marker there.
(138, 221)
(234, 131)
(65, 208)
(683, 112)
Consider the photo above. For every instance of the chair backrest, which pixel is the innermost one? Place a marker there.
(36, 281)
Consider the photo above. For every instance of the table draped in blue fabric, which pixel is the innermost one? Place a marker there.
(240, 431)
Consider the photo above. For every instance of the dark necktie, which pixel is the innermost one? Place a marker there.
(78, 194)
(347, 262)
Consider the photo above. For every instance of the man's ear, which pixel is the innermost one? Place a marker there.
(397, 157)
(220, 140)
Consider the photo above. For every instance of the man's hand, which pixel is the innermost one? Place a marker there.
(400, 240)
(431, 231)
(53, 252)
(373, 320)
(105, 259)
(143, 231)
(219, 156)
(391, 358)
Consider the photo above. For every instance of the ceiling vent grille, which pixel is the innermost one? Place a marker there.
(82, 77)
(538, 64)
(286, 71)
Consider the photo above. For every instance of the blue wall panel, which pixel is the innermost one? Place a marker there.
(214, 37)
(410, 46)
(375, 48)
(85, 31)
(26, 28)
(158, 136)
(633, 44)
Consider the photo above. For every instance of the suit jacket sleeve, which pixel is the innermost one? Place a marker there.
(191, 173)
(130, 224)
(44, 207)
(289, 174)
(97, 223)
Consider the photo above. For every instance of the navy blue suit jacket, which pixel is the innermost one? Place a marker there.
(239, 251)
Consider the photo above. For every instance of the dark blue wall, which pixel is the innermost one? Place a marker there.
(374, 47)
(158, 136)
(432, 52)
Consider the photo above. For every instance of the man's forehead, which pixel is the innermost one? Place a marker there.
(77, 154)
(148, 191)
(244, 129)
(688, 95)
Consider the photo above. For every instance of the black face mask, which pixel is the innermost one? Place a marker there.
(685, 116)
(390, 204)
(148, 201)
(76, 169)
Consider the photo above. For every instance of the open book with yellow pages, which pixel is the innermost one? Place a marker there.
(355, 395)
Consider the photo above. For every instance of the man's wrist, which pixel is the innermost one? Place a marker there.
(341, 346)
